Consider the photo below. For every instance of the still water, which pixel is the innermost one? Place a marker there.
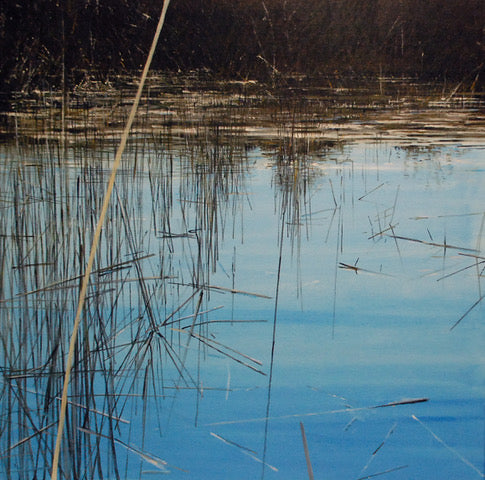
(366, 298)
(251, 297)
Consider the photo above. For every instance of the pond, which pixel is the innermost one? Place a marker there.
(281, 286)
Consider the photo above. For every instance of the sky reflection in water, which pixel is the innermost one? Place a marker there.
(368, 296)
(362, 262)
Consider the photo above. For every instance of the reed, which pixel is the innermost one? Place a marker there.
(147, 272)
(161, 276)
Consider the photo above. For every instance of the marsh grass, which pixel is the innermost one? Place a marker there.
(150, 276)
(180, 194)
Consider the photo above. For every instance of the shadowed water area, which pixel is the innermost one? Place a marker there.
(286, 276)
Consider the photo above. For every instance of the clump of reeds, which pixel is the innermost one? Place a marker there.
(154, 260)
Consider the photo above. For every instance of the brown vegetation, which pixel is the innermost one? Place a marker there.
(236, 38)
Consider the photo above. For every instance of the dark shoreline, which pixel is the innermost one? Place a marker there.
(45, 44)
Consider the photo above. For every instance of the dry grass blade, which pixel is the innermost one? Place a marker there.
(211, 344)
(460, 270)
(375, 452)
(452, 450)
(307, 453)
(97, 234)
(470, 255)
(467, 312)
(385, 472)
(410, 401)
(354, 268)
(225, 289)
(371, 191)
(251, 359)
(62, 283)
(250, 453)
(182, 305)
(97, 412)
(231, 321)
(148, 457)
(27, 439)
(191, 333)
(234, 444)
(200, 313)
(433, 244)
(382, 232)
(407, 401)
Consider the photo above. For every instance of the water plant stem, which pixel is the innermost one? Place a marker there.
(97, 234)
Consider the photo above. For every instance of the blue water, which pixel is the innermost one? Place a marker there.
(346, 340)
(356, 276)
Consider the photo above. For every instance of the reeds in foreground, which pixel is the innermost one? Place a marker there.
(155, 257)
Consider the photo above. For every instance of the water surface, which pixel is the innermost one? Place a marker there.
(255, 276)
